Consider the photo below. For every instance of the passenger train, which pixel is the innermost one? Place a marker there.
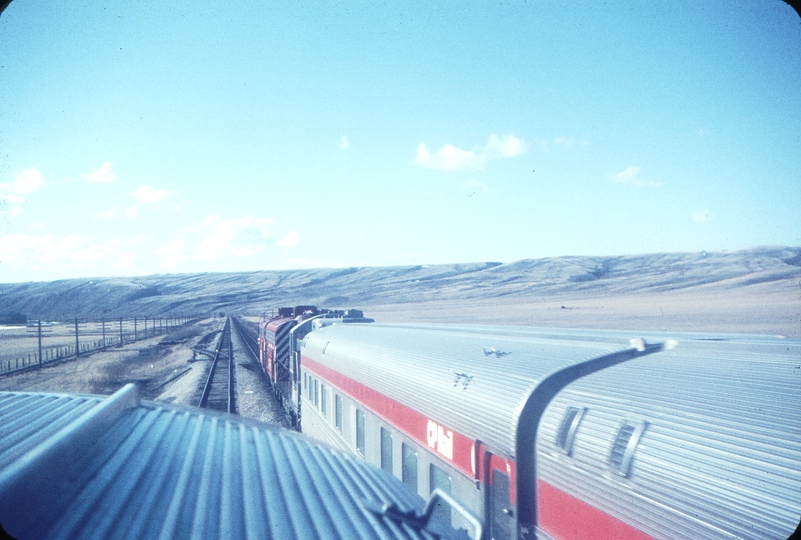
(551, 433)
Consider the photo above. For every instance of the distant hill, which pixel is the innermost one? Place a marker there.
(522, 281)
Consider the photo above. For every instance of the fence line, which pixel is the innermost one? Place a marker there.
(104, 334)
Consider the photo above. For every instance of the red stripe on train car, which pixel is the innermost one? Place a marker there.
(567, 518)
(416, 425)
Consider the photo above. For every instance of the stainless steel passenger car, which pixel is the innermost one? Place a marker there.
(569, 434)
(94, 467)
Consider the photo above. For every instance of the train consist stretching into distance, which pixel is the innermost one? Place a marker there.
(555, 434)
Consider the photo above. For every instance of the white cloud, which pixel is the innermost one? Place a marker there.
(12, 198)
(506, 146)
(313, 263)
(173, 248)
(449, 158)
(24, 248)
(146, 195)
(627, 176)
(27, 181)
(219, 239)
(703, 216)
(562, 142)
(124, 260)
(106, 214)
(344, 143)
(89, 253)
(292, 239)
(243, 237)
(103, 175)
(631, 177)
(453, 158)
(173, 254)
(565, 142)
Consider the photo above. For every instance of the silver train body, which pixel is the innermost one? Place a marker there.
(565, 434)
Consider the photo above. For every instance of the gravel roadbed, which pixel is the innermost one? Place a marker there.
(165, 369)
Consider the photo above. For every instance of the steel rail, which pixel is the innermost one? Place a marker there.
(204, 397)
(230, 369)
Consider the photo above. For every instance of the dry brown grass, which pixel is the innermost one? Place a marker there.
(758, 309)
(145, 363)
(140, 368)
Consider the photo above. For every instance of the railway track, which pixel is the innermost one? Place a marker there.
(218, 392)
(247, 338)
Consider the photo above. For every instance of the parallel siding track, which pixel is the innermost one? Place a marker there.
(218, 392)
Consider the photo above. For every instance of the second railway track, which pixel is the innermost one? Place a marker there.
(218, 392)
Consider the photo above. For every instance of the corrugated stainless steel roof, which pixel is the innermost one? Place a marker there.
(720, 456)
(27, 420)
(723, 428)
(87, 467)
(418, 366)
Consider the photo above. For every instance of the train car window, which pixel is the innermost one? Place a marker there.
(305, 381)
(323, 407)
(409, 469)
(501, 509)
(316, 393)
(360, 443)
(338, 412)
(386, 450)
(439, 479)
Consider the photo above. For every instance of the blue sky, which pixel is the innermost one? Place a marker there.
(163, 137)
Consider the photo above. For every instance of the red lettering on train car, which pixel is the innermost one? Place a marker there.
(440, 439)
(450, 444)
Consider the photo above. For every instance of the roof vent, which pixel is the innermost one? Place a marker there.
(567, 430)
(622, 454)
